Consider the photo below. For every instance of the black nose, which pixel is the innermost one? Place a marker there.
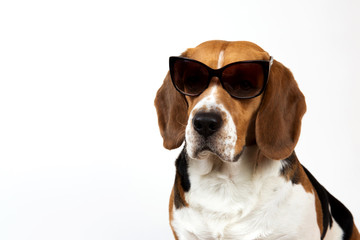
(207, 123)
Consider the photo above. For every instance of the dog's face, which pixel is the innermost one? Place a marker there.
(217, 123)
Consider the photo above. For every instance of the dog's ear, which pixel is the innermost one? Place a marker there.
(171, 108)
(278, 121)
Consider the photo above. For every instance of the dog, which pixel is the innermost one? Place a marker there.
(239, 113)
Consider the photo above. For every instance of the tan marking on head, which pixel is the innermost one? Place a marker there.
(243, 51)
(207, 52)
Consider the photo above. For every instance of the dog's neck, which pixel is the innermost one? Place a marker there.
(251, 163)
(231, 187)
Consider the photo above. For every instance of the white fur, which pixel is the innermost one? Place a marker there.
(221, 59)
(240, 201)
(335, 232)
(223, 140)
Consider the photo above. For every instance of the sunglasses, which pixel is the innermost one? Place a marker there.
(243, 80)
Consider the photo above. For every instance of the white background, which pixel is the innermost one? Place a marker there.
(81, 156)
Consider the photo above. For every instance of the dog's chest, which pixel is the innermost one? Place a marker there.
(244, 207)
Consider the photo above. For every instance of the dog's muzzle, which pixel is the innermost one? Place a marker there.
(208, 135)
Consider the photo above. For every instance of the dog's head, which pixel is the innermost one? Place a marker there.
(216, 122)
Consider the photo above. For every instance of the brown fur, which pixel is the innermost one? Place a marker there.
(179, 195)
(278, 121)
(355, 234)
(172, 116)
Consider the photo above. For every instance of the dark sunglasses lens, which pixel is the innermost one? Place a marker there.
(244, 80)
(189, 77)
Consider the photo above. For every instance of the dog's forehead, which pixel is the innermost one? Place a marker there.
(210, 52)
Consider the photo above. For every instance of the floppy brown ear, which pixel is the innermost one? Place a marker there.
(278, 122)
(171, 108)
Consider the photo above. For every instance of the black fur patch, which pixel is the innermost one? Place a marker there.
(339, 212)
(181, 180)
(342, 216)
(182, 170)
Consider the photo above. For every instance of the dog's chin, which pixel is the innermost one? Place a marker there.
(207, 152)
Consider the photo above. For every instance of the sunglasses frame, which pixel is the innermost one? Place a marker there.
(218, 73)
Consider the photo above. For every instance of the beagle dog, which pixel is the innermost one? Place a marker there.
(239, 113)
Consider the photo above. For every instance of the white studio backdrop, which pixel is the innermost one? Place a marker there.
(81, 156)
